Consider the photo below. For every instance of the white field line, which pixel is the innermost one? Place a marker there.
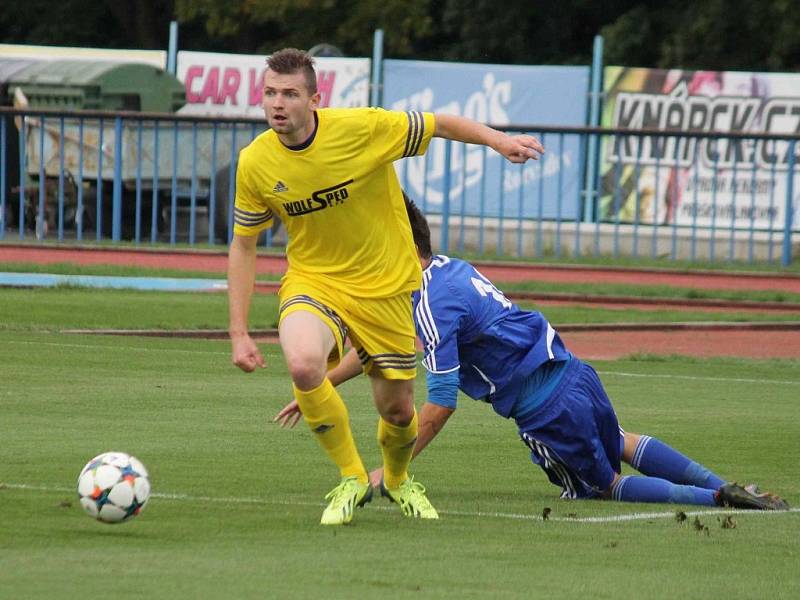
(698, 378)
(636, 516)
(123, 348)
(212, 353)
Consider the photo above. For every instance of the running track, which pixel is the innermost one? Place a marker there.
(595, 343)
(215, 261)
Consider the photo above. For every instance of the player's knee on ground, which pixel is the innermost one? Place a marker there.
(606, 494)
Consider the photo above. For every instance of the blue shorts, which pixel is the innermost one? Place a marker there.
(575, 436)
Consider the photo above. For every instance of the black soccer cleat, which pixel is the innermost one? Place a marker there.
(749, 497)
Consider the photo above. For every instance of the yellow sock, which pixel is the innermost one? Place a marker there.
(327, 416)
(397, 444)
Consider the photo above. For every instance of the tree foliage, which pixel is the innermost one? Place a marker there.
(98, 24)
(714, 34)
(265, 25)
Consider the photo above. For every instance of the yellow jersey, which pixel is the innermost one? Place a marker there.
(339, 198)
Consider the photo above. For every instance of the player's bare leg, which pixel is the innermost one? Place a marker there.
(307, 341)
(394, 399)
(397, 434)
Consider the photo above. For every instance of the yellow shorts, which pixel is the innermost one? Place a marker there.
(380, 329)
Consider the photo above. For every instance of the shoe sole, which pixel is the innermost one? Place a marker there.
(746, 501)
(366, 499)
(385, 494)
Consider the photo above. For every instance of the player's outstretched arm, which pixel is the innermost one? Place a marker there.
(289, 415)
(432, 419)
(516, 148)
(348, 367)
(241, 279)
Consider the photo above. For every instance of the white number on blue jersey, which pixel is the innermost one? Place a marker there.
(487, 289)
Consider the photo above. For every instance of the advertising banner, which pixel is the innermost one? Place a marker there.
(698, 181)
(231, 85)
(482, 182)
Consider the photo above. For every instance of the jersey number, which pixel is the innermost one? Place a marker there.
(487, 289)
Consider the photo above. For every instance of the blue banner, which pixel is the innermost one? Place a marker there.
(481, 182)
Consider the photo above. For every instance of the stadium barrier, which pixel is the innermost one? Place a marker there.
(676, 195)
(164, 178)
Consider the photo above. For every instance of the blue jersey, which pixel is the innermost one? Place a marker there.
(467, 325)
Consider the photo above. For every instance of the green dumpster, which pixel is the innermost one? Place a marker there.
(98, 85)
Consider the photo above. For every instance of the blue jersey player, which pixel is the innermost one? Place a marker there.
(476, 340)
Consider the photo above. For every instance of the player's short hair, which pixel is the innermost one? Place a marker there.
(419, 228)
(292, 60)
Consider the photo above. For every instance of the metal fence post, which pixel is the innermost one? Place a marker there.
(786, 259)
(41, 222)
(172, 52)
(61, 179)
(98, 196)
(22, 171)
(3, 159)
(445, 235)
(376, 85)
(590, 187)
(116, 210)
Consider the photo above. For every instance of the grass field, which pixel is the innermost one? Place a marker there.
(53, 309)
(599, 289)
(237, 500)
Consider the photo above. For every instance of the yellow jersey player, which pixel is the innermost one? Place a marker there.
(328, 175)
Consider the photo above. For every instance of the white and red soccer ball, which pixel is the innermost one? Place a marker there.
(113, 487)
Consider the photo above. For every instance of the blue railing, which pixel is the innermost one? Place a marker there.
(675, 195)
(136, 176)
(168, 179)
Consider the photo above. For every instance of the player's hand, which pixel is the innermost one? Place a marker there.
(375, 477)
(289, 415)
(245, 354)
(520, 148)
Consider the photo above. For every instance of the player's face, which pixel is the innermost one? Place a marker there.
(288, 106)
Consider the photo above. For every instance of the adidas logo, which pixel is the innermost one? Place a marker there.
(280, 187)
(323, 428)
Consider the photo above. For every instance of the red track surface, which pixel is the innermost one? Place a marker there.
(707, 280)
(608, 345)
(595, 344)
(269, 264)
(191, 261)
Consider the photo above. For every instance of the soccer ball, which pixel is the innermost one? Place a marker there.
(113, 487)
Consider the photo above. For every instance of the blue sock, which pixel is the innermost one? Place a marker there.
(654, 458)
(635, 488)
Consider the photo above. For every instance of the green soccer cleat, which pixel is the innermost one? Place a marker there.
(412, 499)
(749, 497)
(343, 500)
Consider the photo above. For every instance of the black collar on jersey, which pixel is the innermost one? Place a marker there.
(310, 139)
